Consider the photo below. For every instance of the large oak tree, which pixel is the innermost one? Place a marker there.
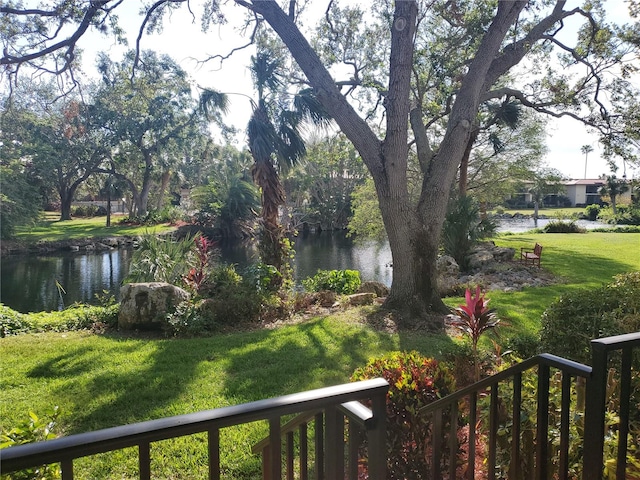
(478, 46)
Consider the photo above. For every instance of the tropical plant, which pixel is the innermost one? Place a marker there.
(161, 260)
(344, 282)
(463, 228)
(35, 429)
(275, 143)
(414, 382)
(473, 318)
(613, 188)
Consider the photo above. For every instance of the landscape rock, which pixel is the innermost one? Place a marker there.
(377, 288)
(145, 305)
(358, 299)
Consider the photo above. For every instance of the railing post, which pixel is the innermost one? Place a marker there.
(377, 454)
(594, 414)
(275, 449)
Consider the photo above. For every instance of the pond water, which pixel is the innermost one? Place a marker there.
(50, 282)
(32, 283)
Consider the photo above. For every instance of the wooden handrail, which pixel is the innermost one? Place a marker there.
(65, 449)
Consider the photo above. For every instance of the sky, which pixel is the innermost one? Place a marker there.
(182, 38)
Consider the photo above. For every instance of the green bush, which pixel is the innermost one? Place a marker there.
(414, 382)
(571, 322)
(344, 282)
(12, 322)
(161, 260)
(35, 429)
(76, 317)
(524, 345)
(592, 211)
(463, 228)
(559, 226)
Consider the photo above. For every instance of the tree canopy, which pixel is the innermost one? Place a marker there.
(419, 76)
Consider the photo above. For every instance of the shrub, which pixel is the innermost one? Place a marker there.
(12, 322)
(35, 429)
(571, 322)
(414, 382)
(161, 260)
(463, 228)
(559, 226)
(524, 345)
(592, 211)
(76, 317)
(344, 282)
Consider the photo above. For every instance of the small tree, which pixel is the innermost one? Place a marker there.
(613, 188)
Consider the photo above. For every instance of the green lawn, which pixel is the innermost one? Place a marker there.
(52, 229)
(106, 380)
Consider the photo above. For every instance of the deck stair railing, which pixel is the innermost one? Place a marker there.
(576, 380)
(333, 403)
(329, 450)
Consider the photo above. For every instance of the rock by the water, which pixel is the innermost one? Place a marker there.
(361, 299)
(146, 305)
(378, 288)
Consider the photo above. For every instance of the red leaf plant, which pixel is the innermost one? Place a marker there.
(197, 274)
(473, 318)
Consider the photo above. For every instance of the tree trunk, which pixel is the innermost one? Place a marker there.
(413, 231)
(142, 200)
(164, 183)
(463, 179)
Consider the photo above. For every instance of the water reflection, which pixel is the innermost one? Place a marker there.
(28, 283)
(51, 282)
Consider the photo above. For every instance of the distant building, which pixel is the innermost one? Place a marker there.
(577, 193)
(583, 192)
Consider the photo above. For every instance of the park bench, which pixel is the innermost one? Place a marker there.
(531, 256)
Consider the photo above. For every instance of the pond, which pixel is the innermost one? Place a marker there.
(50, 282)
(32, 283)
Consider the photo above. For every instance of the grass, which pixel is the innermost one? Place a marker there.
(106, 380)
(52, 229)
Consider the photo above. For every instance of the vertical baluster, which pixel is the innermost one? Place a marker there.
(565, 412)
(473, 418)
(514, 467)
(453, 441)
(542, 429)
(144, 461)
(304, 452)
(493, 432)
(67, 469)
(290, 455)
(595, 413)
(334, 443)
(623, 428)
(377, 439)
(436, 445)
(266, 463)
(214, 453)
(319, 446)
(354, 450)
(275, 449)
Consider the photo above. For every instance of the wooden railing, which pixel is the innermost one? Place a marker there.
(326, 410)
(588, 382)
(330, 402)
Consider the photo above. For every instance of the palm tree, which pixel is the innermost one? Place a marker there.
(613, 188)
(586, 149)
(275, 144)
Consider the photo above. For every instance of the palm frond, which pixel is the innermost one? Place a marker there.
(212, 101)
(309, 107)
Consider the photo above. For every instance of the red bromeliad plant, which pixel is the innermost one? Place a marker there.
(474, 318)
(198, 273)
